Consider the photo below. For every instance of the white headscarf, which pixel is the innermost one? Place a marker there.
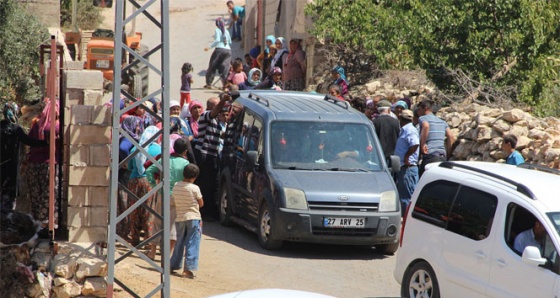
(279, 52)
(140, 158)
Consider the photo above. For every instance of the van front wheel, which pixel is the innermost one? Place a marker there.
(266, 237)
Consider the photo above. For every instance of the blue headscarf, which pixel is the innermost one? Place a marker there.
(340, 70)
(272, 39)
(140, 158)
(11, 111)
(250, 77)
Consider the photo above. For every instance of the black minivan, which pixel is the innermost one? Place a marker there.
(308, 167)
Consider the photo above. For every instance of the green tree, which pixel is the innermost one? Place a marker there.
(88, 17)
(20, 38)
(498, 42)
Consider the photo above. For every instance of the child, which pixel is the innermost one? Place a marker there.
(237, 76)
(334, 90)
(508, 145)
(187, 199)
(186, 82)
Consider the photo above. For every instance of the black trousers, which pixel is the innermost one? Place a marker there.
(207, 181)
(429, 158)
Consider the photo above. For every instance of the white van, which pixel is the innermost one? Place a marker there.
(476, 229)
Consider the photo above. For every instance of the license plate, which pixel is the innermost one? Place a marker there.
(102, 63)
(342, 222)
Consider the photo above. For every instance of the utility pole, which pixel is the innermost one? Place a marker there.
(163, 188)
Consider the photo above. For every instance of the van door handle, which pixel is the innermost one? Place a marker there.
(480, 254)
(501, 263)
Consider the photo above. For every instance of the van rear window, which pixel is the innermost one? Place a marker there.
(434, 202)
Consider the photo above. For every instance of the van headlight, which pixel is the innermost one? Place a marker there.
(388, 201)
(295, 198)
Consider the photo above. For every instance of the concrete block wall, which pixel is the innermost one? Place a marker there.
(88, 144)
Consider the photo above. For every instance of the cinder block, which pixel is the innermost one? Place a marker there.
(79, 155)
(87, 234)
(77, 196)
(90, 134)
(98, 217)
(93, 97)
(101, 115)
(73, 65)
(84, 79)
(74, 96)
(90, 176)
(81, 115)
(78, 216)
(98, 196)
(100, 155)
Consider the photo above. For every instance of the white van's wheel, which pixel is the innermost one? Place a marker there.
(266, 237)
(420, 281)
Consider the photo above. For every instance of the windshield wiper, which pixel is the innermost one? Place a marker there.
(349, 169)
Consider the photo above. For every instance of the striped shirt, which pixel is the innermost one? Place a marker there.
(185, 197)
(436, 135)
(208, 135)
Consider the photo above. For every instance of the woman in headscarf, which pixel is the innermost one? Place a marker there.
(339, 78)
(138, 184)
(253, 80)
(274, 81)
(265, 58)
(281, 51)
(295, 67)
(221, 57)
(38, 165)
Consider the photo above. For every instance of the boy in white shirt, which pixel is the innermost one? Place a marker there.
(187, 199)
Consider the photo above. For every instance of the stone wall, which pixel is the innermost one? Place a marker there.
(87, 144)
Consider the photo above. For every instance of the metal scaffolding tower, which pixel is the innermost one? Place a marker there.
(163, 188)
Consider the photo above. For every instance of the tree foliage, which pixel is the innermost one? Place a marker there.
(88, 17)
(497, 42)
(20, 37)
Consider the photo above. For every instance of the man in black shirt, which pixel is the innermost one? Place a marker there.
(387, 128)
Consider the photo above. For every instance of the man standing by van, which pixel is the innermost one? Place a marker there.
(407, 151)
(434, 136)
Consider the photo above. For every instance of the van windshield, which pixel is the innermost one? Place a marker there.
(323, 146)
(555, 219)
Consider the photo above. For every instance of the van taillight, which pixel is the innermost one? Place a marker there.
(403, 224)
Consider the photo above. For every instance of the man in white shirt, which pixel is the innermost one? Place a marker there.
(530, 237)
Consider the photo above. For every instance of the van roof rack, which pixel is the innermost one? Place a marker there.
(259, 99)
(337, 100)
(519, 187)
(539, 168)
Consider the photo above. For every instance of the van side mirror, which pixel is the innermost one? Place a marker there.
(532, 256)
(251, 160)
(395, 164)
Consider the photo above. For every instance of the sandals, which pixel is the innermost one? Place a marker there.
(188, 274)
(207, 87)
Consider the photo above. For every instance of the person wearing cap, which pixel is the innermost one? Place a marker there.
(436, 139)
(274, 81)
(398, 107)
(406, 149)
(11, 135)
(387, 128)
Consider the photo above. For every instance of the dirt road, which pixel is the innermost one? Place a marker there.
(231, 258)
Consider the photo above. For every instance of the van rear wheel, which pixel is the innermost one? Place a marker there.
(420, 281)
(225, 206)
(266, 236)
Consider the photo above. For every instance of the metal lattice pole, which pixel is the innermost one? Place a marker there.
(122, 50)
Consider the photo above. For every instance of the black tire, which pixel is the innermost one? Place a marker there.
(142, 70)
(420, 281)
(387, 249)
(225, 205)
(266, 237)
